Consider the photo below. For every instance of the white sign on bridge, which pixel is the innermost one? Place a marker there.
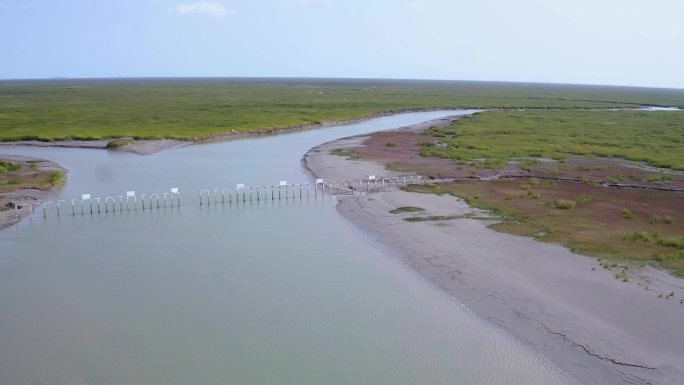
(174, 190)
(319, 181)
(130, 193)
(371, 177)
(85, 197)
(283, 183)
(240, 185)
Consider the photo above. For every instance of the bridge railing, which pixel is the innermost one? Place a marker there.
(131, 201)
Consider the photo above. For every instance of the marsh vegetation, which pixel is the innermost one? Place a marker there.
(588, 220)
(188, 109)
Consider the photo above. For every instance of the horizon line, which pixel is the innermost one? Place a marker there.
(57, 78)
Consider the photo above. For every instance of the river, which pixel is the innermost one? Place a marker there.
(277, 292)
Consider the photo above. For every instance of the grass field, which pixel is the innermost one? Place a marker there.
(196, 108)
(491, 139)
(611, 224)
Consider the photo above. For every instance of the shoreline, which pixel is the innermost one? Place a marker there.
(11, 217)
(592, 326)
(149, 147)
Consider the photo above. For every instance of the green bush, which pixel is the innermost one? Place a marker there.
(564, 204)
(637, 236)
(9, 166)
(677, 243)
(57, 178)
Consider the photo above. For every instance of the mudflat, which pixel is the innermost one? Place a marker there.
(598, 329)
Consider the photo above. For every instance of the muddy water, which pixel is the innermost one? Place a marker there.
(277, 292)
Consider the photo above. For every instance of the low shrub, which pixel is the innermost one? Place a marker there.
(677, 243)
(564, 204)
(637, 236)
(57, 178)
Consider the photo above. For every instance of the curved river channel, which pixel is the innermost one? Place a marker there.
(277, 292)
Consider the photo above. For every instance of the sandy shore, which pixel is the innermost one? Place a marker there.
(140, 147)
(598, 329)
(25, 196)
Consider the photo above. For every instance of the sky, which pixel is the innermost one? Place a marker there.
(619, 42)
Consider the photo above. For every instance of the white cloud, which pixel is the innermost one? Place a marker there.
(204, 8)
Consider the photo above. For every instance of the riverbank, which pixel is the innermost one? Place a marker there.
(562, 305)
(35, 180)
(149, 147)
(140, 147)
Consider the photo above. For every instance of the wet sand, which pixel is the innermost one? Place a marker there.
(598, 329)
(140, 147)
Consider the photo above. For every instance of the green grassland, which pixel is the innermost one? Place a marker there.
(491, 139)
(196, 108)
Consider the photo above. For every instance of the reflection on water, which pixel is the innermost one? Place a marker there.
(275, 292)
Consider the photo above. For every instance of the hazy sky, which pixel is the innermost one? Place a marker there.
(571, 41)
